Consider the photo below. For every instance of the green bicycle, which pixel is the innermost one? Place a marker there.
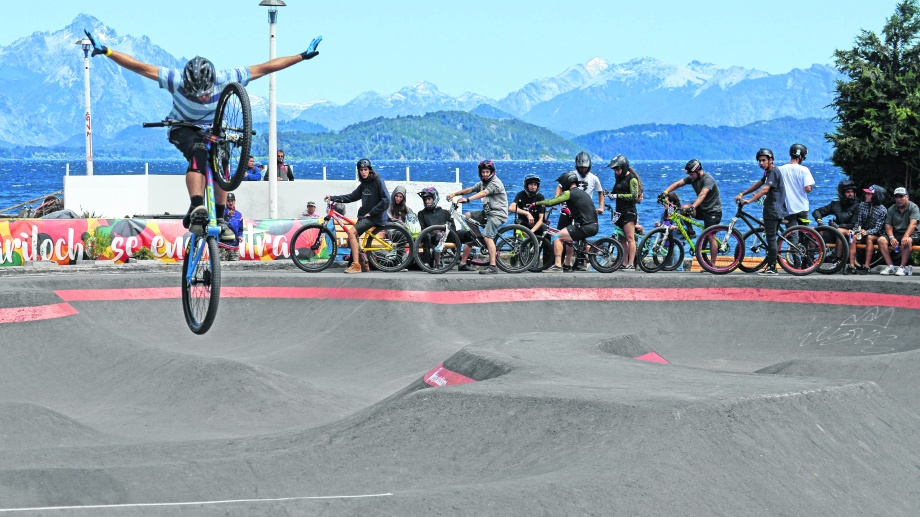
(661, 249)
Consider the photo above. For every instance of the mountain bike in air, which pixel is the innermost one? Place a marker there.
(229, 140)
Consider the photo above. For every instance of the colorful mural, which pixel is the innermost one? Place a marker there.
(65, 240)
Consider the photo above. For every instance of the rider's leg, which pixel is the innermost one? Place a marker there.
(559, 244)
(629, 229)
(490, 245)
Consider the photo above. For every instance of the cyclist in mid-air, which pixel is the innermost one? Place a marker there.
(195, 91)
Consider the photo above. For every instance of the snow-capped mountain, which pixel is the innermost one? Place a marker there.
(41, 94)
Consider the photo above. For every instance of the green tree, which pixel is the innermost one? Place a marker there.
(877, 140)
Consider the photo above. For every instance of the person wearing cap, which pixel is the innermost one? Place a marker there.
(230, 250)
(867, 226)
(900, 231)
(252, 172)
(311, 211)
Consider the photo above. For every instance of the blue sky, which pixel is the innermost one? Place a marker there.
(487, 47)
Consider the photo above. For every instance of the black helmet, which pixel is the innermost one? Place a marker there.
(362, 163)
(618, 162)
(583, 159)
(340, 208)
(693, 165)
(198, 77)
(798, 151)
(531, 178)
(231, 196)
(566, 179)
(488, 165)
(764, 152)
(844, 185)
(429, 192)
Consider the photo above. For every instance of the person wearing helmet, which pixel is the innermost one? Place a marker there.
(799, 183)
(707, 207)
(533, 217)
(430, 215)
(588, 181)
(583, 216)
(372, 191)
(774, 207)
(868, 221)
(195, 90)
(841, 209)
(627, 192)
(252, 171)
(494, 211)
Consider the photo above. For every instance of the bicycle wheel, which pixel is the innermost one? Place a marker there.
(800, 250)
(201, 289)
(436, 262)
(654, 250)
(606, 255)
(729, 250)
(837, 253)
(394, 253)
(516, 248)
(313, 248)
(233, 129)
(676, 258)
(755, 249)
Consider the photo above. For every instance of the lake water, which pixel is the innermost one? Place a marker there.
(27, 179)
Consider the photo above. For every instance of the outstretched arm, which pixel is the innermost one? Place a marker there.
(123, 60)
(280, 63)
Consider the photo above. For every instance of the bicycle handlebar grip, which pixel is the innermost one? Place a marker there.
(154, 124)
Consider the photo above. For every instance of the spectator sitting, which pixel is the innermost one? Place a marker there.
(311, 211)
(252, 173)
(399, 210)
(900, 231)
(431, 215)
(868, 220)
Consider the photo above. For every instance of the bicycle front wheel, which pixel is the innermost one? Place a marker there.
(654, 250)
(726, 253)
(200, 283)
(427, 255)
(391, 250)
(606, 255)
(800, 250)
(313, 248)
(516, 248)
(233, 129)
(755, 249)
(675, 259)
(837, 253)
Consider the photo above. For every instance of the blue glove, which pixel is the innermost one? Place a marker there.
(97, 49)
(311, 51)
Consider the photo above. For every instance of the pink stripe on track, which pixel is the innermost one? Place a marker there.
(40, 312)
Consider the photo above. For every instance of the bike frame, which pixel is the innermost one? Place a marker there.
(677, 220)
(213, 229)
(581, 250)
(343, 222)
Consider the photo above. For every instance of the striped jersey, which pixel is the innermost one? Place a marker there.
(193, 110)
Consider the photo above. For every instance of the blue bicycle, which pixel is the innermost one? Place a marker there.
(229, 140)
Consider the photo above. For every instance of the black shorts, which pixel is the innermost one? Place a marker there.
(581, 232)
(364, 224)
(709, 218)
(915, 237)
(193, 145)
(626, 218)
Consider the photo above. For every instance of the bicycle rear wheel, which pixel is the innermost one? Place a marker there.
(436, 262)
(313, 248)
(516, 248)
(394, 253)
(675, 259)
(233, 129)
(800, 251)
(755, 249)
(201, 289)
(838, 250)
(605, 254)
(729, 251)
(654, 250)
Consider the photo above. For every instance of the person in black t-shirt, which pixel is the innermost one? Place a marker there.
(431, 215)
(582, 213)
(534, 216)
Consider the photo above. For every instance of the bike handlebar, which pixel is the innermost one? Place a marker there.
(177, 123)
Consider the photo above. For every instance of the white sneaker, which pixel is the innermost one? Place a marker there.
(887, 271)
(900, 272)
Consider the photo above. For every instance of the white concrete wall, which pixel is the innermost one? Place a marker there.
(120, 196)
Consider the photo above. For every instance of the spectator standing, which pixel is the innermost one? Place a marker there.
(252, 173)
(774, 206)
(798, 182)
(285, 170)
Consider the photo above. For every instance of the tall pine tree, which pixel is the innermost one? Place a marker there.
(877, 140)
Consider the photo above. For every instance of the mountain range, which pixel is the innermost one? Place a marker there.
(41, 94)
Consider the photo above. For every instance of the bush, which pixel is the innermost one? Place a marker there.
(98, 243)
(144, 254)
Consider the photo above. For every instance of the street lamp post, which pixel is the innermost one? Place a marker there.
(88, 119)
(273, 6)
